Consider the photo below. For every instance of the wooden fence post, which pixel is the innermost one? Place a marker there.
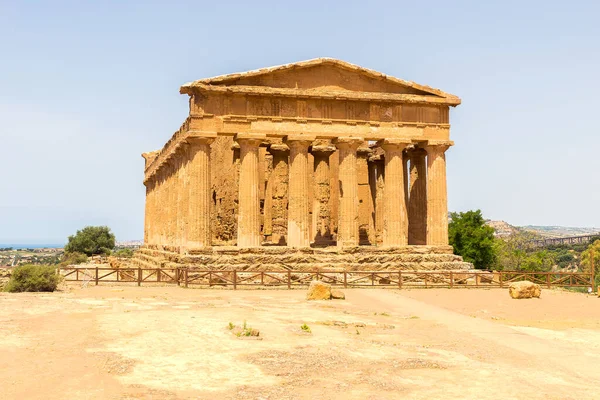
(548, 279)
(139, 280)
(234, 279)
(186, 277)
(289, 276)
(501, 278)
(345, 279)
(76, 274)
(177, 276)
(96, 276)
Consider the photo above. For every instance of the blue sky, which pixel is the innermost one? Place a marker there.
(86, 87)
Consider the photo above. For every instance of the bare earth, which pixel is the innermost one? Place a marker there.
(173, 343)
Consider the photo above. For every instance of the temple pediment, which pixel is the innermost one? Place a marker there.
(320, 77)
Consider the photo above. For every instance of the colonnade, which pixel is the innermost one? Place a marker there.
(408, 184)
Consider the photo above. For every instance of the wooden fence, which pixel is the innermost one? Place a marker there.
(347, 279)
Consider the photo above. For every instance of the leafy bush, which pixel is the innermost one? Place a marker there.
(127, 253)
(73, 259)
(91, 240)
(33, 278)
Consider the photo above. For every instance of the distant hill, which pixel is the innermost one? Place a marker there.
(560, 231)
(503, 228)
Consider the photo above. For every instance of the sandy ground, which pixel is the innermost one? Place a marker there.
(173, 343)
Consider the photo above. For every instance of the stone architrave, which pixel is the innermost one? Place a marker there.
(417, 205)
(322, 190)
(348, 235)
(437, 196)
(199, 233)
(278, 181)
(298, 212)
(395, 220)
(249, 193)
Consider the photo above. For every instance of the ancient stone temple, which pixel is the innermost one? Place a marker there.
(315, 164)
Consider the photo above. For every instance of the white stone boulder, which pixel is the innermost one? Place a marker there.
(524, 290)
(319, 291)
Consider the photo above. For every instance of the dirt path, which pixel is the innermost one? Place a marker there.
(173, 343)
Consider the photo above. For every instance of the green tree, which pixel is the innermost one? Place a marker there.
(91, 240)
(472, 238)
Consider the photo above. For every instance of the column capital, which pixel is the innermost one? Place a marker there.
(303, 140)
(251, 139)
(365, 151)
(349, 142)
(437, 146)
(202, 136)
(278, 147)
(393, 144)
(323, 148)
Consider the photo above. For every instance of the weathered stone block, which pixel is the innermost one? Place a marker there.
(318, 291)
(524, 290)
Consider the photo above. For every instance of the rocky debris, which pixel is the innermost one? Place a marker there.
(319, 291)
(338, 294)
(524, 290)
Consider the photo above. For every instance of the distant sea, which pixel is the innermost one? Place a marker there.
(32, 246)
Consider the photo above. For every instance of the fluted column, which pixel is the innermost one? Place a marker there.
(249, 195)
(395, 220)
(278, 183)
(417, 204)
(169, 206)
(178, 199)
(379, 204)
(437, 196)
(298, 210)
(322, 193)
(147, 212)
(162, 220)
(199, 180)
(348, 234)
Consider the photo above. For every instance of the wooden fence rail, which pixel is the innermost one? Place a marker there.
(347, 279)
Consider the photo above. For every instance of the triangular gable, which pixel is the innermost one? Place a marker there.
(321, 75)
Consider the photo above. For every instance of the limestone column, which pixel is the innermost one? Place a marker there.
(437, 197)
(348, 210)
(405, 159)
(147, 212)
(279, 181)
(162, 222)
(168, 202)
(199, 180)
(365, 205)
(298, 210)
(322, 193)
(378, 161)
(185, 196)
(249, 191)
(395, 220)
(417, 204)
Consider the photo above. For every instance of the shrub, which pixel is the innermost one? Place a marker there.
(126, 253)
(33, 278)
(73, 259)
(91, 240)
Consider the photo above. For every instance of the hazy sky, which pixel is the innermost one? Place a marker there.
(86, 87)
